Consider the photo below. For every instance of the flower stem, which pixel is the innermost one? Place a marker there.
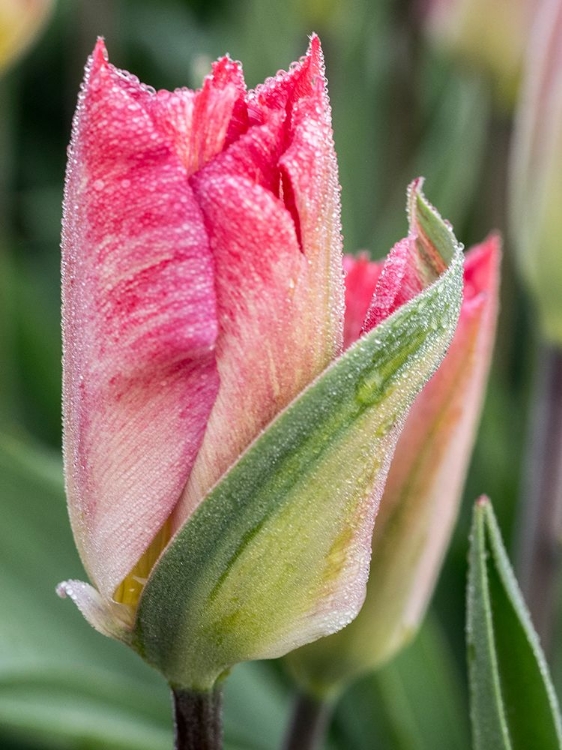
(541, 513)
(308, 724)
(197, 719)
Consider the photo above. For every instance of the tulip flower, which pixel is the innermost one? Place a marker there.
(424, 486)
(20, 22)
(536, 166)
(223, 458)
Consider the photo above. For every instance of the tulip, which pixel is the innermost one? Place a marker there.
(424, 486)
(223, 458)
(20, 22)
(536, 165)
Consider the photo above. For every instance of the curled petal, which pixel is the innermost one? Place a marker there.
(107, 617)
(200, 123)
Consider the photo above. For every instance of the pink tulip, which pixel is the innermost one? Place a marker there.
(202, 289)
(203, 292)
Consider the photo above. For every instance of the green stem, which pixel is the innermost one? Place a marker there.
(197, 719)
(541, 513)
(309, 723)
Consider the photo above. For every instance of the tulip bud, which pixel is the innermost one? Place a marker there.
(536, 171)
(489, 36)
(422, 494)
(20, 22)
(223, 458)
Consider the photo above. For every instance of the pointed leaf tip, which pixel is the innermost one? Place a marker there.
(513, 703)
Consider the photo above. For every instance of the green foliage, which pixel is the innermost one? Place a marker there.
(513, 704)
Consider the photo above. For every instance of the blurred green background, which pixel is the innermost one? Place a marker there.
(401, 108)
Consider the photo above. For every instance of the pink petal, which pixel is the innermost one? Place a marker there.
(361, 276)
(429, 467)
(276, 244)
(310, 182)
(139, 371)
(200, 123)
(398, 283)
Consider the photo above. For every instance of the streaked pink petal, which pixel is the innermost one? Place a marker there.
(427, 474)
(398, 283)
(310, 183)
(277, 253)
(262, 351)
(139, 371)
(200, 123)
(361, 276)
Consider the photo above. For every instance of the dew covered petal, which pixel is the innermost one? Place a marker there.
(277, 258)
(201, 123)
(107, 617)
(361, 276)
(139, 325)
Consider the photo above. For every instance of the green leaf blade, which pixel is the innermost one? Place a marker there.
(513, 704)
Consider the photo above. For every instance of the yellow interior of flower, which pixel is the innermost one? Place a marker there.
(130, 588)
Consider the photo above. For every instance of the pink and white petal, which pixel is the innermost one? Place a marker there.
(399, 282)
(107, 617)
(424, 485)
(361, 276)
(309, 187)
(200, 123)
(265, 294)
(311, 191)
(262, 350)
(139, 326)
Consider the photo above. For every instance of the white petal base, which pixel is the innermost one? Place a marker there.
(107, 617)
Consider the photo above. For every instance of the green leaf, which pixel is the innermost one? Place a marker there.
(513, 704)
(283, 541)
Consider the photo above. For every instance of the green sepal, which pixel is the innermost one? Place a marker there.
(513, 703)
(277, 554)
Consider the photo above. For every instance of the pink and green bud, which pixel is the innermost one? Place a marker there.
(223, 458)
(536, 171)
(423, 490)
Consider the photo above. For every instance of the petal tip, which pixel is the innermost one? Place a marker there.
(99, 55)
